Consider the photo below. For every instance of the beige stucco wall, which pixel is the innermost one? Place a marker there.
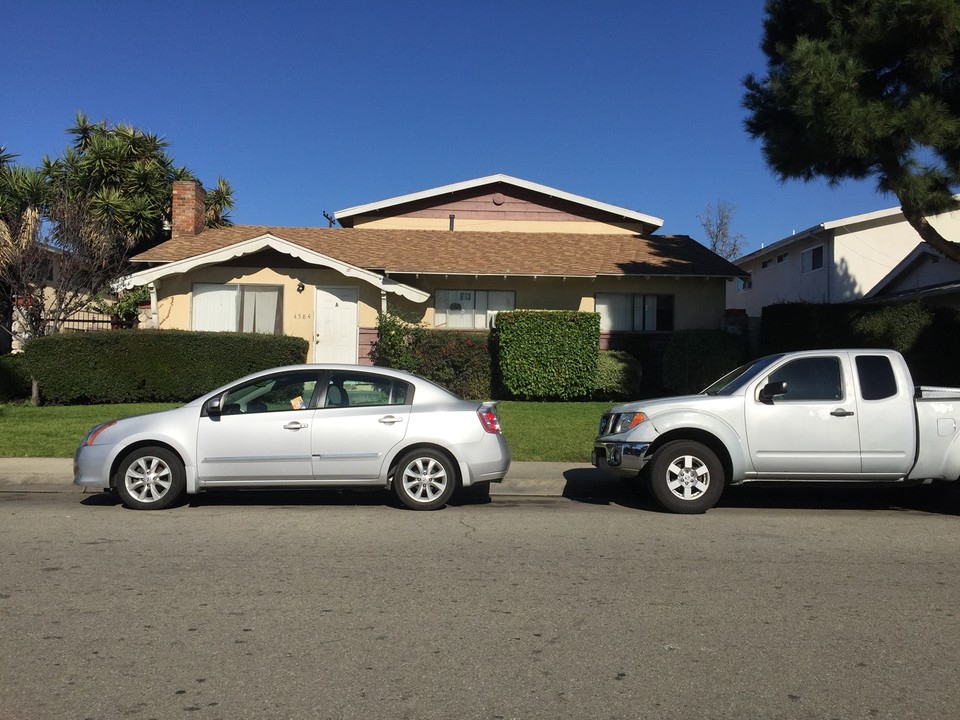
(698, 302)
(174, 295)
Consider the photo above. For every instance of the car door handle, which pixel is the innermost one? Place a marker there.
(390, 419)
(294, 425)
(840, 412)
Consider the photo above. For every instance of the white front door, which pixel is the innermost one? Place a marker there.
(336, 326)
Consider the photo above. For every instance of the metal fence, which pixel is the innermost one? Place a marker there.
(86, 321)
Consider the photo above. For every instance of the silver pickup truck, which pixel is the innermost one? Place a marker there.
(813, 416)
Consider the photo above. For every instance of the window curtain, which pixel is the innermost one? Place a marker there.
(616, 312)
(259, 309)
(215, 307)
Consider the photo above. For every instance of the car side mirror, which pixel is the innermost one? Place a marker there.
(772, 390)
(213, 406)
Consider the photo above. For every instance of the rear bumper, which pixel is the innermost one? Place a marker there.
(488, 462)
(623, 459)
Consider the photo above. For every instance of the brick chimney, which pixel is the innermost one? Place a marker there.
(189, 211)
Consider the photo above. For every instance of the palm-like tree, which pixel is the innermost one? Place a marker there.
(219, 203)
(106, 197)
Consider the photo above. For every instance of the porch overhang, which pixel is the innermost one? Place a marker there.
(269, 241)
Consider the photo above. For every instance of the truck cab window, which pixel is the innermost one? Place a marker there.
(876, 377)
(810, 378)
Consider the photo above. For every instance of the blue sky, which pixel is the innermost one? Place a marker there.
(309, 107)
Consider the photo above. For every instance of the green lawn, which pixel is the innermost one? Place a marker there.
(559, 432)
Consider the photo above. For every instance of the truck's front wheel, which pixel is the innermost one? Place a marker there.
(686, 477)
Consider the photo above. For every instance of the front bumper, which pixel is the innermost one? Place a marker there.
(624, 459)
(91, 466)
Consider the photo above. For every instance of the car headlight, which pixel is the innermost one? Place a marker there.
(627, 421)
(95, 432)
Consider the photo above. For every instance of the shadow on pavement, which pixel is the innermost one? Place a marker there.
(286, 498)
(595, 487)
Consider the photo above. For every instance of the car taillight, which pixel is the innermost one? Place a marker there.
(489, 420)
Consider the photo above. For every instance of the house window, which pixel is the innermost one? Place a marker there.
(620, 312)
(471, 308)
(232, 308)
(781, 257)
(744, 284)
(811, 259)
(765, 264)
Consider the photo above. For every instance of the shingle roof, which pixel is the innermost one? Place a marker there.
(470, 253)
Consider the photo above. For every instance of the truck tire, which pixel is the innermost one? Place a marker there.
(686, 477)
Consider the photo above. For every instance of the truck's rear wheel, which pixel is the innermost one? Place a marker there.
(686, 477)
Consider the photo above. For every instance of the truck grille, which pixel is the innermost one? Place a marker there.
(606, 422)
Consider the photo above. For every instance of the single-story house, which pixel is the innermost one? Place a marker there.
(450, 257)
(876, 256)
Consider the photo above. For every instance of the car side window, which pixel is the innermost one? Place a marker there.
(290, 391)
(876, 377)
(364, 390)
(813, 378)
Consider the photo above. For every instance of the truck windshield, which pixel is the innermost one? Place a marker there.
(736, 379)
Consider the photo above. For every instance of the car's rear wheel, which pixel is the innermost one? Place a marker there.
(150, 478)
(686, 477)
(425, 479)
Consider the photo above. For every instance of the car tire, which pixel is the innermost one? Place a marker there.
(424, 479)
(150, 478)
(686, 477)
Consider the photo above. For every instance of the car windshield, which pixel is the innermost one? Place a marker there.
(733, 381)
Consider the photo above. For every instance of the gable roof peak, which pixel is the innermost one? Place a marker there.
(651, 222)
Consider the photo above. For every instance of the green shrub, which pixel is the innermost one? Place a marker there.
(150, 365)
(15, 380)
(396, 343)
(933, 356)
(786, 327)
(928, 337)
(695, 358)
(806, 326)
(458, 361)
(547, 354)
(619, 376)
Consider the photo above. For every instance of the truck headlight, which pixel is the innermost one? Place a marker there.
(627, 421)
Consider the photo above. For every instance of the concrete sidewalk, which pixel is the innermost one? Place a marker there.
(525, 478)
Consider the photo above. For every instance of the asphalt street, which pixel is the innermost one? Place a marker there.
(590, 603)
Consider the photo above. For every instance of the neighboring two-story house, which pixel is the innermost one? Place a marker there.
(876, 256)
(450, 257)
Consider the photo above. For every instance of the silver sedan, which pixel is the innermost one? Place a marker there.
(299, 426)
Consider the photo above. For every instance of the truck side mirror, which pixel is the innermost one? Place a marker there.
(771, 390)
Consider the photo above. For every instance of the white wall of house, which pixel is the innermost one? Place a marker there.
(858, 253)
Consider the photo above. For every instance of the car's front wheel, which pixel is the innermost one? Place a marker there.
(424, 480)
(150, 478)
(686, 477)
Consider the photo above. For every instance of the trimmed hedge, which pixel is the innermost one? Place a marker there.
(696, 358)
(14, 378)
(150, 365)
(458, 361)
(619, 376)
(928, 337)
(548, 354)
